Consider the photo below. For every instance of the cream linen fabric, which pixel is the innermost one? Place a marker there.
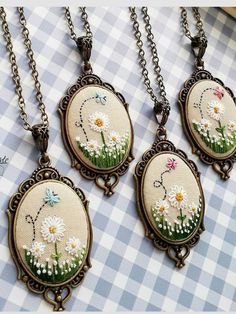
(181, 176)
(70, 209)
(193, 113)
(119, 120)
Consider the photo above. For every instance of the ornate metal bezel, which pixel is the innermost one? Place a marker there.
(104, 179)
(60, 292)
(178, 250)
(223, 165)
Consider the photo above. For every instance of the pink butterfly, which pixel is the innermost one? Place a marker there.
(219, 92)
(171, 164)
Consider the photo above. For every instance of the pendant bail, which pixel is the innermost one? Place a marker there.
(40, 136)
(199, 45)
(84, 44)
(162, 111)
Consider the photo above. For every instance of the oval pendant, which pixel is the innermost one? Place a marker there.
(97, 131)
(50, 240)
(170, 199)
(209, 117)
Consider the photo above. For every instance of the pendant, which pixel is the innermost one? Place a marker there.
(170, 199)
(208, 111)
(50, 233)
(97, 131)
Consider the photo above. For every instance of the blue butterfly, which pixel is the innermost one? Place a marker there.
(101, 98)
(51, 198)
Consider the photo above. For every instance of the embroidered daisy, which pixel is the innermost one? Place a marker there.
(192, 208)
(114, 138)
(205, 125)
(73, 245)
(98, 121)
(37, 249)
(51, 198)
(92, 146)
(161, 206)
(52, 229)
(178, 197)
(231, 125)
(171, 163)
(215, 110)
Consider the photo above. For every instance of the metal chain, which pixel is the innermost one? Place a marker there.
(161, 103)
(199, 24)
(84, 17)
(15, 70)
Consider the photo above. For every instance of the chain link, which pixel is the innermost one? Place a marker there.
(199, 24)
(15, 70)
(160, 100)
(84, 17)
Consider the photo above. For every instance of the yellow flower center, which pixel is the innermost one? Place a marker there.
(114, 139)
(216, 109)
(52, 229)
(206, 125)
(193, 209)
(73, 245)
(179, 197)
(99, 122)
(162, 208)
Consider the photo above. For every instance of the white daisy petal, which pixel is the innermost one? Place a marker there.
(231, 125)
(52, 229)
(73, 245)
(215, 110)
(161, 207)
(178, 197)
(37, 249)
(192, 208)
(98, 121)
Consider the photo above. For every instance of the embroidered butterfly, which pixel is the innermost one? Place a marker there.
(171, 164)
(219, 92)
(101, 98)
(51, 198)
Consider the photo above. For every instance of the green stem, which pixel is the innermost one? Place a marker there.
(222, 131)
(56, 252)
(181, 215)
(103, 139)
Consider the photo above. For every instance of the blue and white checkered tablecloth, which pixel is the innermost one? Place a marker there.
(127, 273)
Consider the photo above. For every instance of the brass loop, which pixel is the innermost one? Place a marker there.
(161, 133)
(44, 160)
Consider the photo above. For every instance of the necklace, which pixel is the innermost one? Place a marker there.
(50, 242)
(96, 126)
(169, 193)
(208, 108)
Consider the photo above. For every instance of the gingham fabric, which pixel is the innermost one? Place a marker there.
(127, 272)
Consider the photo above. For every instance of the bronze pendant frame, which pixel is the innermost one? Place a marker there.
(106, 179)
(60, 292)
(223, 165)
(176, 250)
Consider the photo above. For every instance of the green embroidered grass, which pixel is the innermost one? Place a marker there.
(105, 156)
(176, 231)
(54, 272)
(221, 144)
